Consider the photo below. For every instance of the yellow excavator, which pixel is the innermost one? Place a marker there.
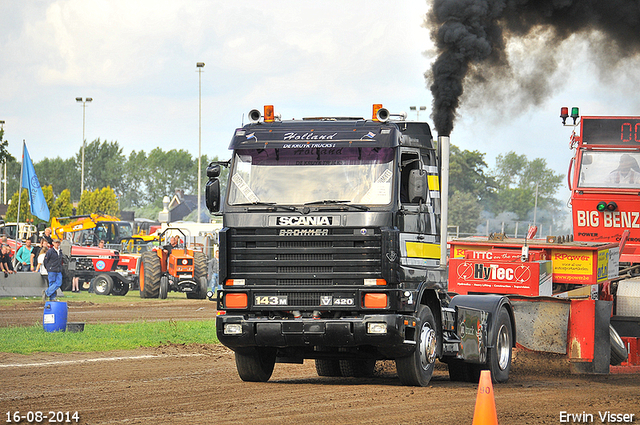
(90, 229)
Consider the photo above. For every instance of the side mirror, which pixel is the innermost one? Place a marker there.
(213, 171)
(212, 192)
(417, 186)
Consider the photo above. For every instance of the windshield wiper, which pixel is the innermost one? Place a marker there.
(269, 205)
(326, 202)
(346, 203)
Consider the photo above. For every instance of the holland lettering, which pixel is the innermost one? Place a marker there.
(308, 136)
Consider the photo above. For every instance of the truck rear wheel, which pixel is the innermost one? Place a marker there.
(102, 284)
(328, 367)
(417, 368)
(256, 364)
(499, 357)
(361, 368)
(149, 274)
(459, 371)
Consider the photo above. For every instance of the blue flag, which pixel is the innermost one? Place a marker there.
(30, 181)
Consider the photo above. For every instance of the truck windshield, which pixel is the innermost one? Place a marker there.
(299, 176)
(610, 170)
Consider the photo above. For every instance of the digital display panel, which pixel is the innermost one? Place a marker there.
(611, 131)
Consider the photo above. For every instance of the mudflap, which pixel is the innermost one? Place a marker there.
(542, 323)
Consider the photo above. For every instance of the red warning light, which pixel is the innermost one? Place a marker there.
(564, 114)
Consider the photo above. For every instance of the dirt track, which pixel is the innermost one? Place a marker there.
(199, 384)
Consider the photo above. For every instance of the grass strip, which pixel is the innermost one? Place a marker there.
(106, 337)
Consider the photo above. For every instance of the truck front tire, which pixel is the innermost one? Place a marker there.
(256, 364)
(417, 368)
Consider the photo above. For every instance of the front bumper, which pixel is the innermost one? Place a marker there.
(347, 332)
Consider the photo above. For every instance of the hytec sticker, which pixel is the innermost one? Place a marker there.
(470, 271)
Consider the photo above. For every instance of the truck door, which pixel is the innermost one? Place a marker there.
(416, 220)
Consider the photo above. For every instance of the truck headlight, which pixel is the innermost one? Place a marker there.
(232, 329)
(376, 328)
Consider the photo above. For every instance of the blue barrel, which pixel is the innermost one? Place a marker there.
(55, 316)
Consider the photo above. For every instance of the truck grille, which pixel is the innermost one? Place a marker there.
(342, 257)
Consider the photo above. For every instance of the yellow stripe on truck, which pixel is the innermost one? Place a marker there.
(422, 250)
(433, 181)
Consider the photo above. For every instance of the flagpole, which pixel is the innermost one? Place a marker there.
(20, 193)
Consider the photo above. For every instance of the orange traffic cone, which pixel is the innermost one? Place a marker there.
(485, 413)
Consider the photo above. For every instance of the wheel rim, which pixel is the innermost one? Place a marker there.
(100, 285)
(427, 346)
(503, 347)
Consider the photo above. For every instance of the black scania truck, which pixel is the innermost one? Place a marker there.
(332, 249)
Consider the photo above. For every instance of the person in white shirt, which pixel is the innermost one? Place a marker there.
(627, 173)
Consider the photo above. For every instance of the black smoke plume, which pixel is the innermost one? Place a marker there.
(471, 38)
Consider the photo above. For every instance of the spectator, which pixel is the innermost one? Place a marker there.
(35, 253)
(5, 261)
(47, 236)
(23, 256)
(215, 267)
(40, 267)
(53, 263)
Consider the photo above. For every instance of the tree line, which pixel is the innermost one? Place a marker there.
(139, 181)
(506, 192)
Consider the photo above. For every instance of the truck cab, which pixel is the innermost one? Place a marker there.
(331, 250)
(605, 182)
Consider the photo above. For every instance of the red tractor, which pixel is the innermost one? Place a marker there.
(173, 267)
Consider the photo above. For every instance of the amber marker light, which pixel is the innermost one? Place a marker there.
(375, 300)
(235, 300)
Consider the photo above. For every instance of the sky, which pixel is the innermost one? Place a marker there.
(137, 61)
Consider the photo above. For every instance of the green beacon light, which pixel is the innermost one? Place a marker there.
(602, 206)
(575, 114)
